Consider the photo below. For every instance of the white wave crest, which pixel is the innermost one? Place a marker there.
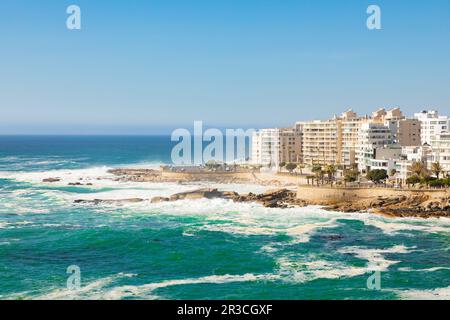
(393, 226)
(66, 176)
(144, 290)
(434, 294)
(304, 269)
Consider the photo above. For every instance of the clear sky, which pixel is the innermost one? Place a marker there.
(148, 66)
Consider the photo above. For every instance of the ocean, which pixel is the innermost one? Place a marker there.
(191, 249)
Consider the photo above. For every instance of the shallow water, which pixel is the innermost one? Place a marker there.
(205, 249)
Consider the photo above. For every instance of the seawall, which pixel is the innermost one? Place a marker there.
(329, 195)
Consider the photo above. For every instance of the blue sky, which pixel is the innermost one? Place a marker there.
(149, 66)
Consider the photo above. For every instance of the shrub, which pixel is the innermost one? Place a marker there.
(291, 167)
(351, 175)
(436, 183)
(377, 175)
(413, 180)
(446, 182)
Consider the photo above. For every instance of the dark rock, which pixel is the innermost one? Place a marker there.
(51, 180)
(159, 199)
(99, 201)
(204, 194)
(332, 237)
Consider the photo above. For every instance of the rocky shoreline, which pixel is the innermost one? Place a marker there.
(280, 198)
(413, 204)
(403, 206)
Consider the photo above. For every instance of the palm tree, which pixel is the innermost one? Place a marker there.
(437, 169)
(393, 172)
(330, 170)
(317, 172)
(417, 168)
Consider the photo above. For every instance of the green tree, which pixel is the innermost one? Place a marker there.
(351, 175)
(291, 167)
(330, 170)
(436, 183)
(413, 180)
(377, 175)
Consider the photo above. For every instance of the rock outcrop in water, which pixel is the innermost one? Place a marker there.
(280, 198)
(115, 201)
(51, 180)
(204, 194)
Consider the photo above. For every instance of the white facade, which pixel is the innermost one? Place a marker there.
(270, 147)
(351, 124)
(370, 137)
(409, 156)
(322, 141)
(266, 147)
(440, 145)
(432, 124)
(386, 158)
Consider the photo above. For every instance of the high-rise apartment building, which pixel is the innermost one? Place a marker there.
(405, 132)
(270, 147)
(290, 145)
(371, 136)
(266, 147)
(322, 141)
(350, 125)
(432, 124)
(440, 146)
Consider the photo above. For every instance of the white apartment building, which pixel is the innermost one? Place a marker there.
(409, 156)
(440, 146)
(371, 136)
(350, 125)
(405, 132)
(322, 141)
(270, 147)
(385, 158)
(336, 141)
(432, 124)
(266, 147)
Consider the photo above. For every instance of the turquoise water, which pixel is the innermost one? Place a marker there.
(204, 249)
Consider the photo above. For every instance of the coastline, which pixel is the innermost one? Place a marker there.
(288, 191)
(295, 245)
